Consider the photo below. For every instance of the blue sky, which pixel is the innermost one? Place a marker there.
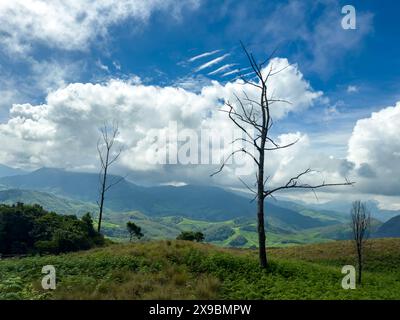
(47, 46)
(158, 50)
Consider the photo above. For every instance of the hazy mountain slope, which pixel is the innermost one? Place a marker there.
(309, 210)
(344, 207)
(48, 201)
(390, 229)
(8, 171)
(197, 202)
(282, 227)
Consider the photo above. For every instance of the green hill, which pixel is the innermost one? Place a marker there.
(185, 270)
(283, 226)
(48, 201)
(194, 202)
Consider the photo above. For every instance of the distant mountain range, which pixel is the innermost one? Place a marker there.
(8, 171)
(198, 202)
(163, 211)
(343, 206)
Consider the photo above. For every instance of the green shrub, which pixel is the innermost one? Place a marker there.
(239, 241)
(191, 236)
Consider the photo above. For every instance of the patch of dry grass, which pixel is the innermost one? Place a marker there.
(380, 254)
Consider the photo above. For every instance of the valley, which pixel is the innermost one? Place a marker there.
(226, 219)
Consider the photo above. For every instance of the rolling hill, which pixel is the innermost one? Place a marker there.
(226, 218)
(48, 201)
(232, 232)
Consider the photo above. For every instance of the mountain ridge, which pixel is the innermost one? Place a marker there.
(199, 202)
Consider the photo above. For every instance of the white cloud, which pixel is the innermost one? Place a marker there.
(212, 62)
(374, 149)
(203, 55)
(352, 89)
(63, 131)
(72, 25)
(102, 66)
(41, 77)
(231, 72)
(220, 69)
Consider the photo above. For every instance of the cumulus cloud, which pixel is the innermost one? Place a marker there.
(63, 131)
(374, 148)
(72, 25)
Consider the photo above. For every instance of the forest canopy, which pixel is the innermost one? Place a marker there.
(29, 229)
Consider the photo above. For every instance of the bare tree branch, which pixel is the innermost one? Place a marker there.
(108, 138)
(257, 116)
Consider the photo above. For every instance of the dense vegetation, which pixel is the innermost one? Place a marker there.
(190, 270)
(191, 236)
(29, 229)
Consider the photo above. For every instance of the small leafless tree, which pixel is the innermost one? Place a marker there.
(107, 158)
(360, 224)
(250, 116)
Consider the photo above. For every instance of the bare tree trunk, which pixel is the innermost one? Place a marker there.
(360, 223)
(360, 265)
(261, 233)
(103, 192)
(251, 114)
(260, 214)
(106, 160)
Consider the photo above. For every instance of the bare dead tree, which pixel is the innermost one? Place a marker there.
(107, 158)
(360, 224)
(250, 114)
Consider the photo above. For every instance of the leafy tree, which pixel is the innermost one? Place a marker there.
(191, 236)
(134, 230)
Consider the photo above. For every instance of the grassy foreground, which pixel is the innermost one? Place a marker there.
(185, 270)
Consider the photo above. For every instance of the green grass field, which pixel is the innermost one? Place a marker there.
(185, 270)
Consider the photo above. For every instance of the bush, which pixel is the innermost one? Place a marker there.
(191, 236)
(238, 241)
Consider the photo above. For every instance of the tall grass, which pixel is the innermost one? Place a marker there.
(186, 270)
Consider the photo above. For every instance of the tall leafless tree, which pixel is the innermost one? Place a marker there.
(250, 116)
(107, 158)
(360, 224)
